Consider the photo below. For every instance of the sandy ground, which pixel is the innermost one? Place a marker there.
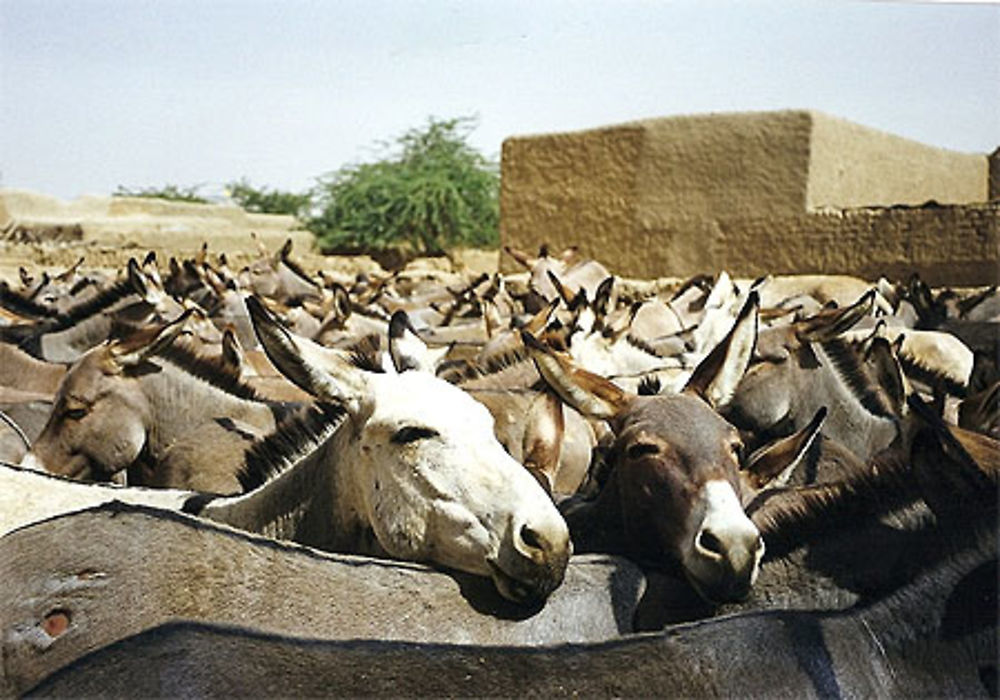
(239, 250)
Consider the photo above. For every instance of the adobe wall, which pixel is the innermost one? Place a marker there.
(994, 159)
(950, 245)
(856, 166)
(139, 221)
(571, 187)
(679, 196)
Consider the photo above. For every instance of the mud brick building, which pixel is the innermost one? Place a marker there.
(754, 193)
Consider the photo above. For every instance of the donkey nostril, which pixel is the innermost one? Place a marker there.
(710, 543)
(530, 538)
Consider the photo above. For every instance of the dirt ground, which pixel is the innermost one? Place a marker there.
(239, 250)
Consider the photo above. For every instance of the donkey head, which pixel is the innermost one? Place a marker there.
(676, 463)
(278, 277)
(98, 425)
(425, 471)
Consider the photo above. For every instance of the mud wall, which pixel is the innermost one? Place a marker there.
(954, 245)
(138, 221)
(681, 195)
(995, 174)
(855, 166)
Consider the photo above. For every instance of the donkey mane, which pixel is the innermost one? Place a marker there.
(650, 385)
(294, 438)
(212, 370)
(12, 301)
(96, 304)
(932, 377)
(493, 364)
(847, 364)
(642, 345)
(789, 517)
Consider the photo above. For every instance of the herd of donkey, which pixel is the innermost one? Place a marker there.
(266, 482)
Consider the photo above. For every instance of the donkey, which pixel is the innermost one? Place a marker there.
(797, 369)
(390, 462)
(934, 637)
(148, 406)
(280, 278)
(411, 470)
(673, 496)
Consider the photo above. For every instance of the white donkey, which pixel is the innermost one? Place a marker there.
(413, 471)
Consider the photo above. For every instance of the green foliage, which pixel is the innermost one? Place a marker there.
(171, 192)
(267, 201)
(436, 192)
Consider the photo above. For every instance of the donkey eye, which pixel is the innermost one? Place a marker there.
(75, 413)
(641, 449)
(412, 433)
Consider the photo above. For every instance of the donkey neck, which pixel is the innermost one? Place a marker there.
(89, 323)
(864, 423)
(308, 501)
(68, 344)
(178, 400)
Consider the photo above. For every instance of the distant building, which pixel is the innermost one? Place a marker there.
(754, 193)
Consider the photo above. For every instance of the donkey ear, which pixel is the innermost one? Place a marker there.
(715, 378)
(317, 370)
(588, 393)
(543, 438)
(522, 258)
(137, 278)
(773, 464)
(884, 363)
(564, 293)
(142, 345)
(604, 301)
(74, 268)
(232, 354)
(341, 301)
(827, 325)
(406, 348)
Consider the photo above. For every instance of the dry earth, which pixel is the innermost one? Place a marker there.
(239, 250)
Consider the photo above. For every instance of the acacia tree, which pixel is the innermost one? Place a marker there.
(263, 200)
(433, 193)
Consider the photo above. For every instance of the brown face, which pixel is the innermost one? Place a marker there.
(96, 428)
(677, 466)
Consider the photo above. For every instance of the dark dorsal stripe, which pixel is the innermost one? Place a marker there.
(22, 306)
(212, 370)
(295, 438)
(847, 364)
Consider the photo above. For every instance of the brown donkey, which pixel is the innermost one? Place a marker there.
(148, 405)
(675, 491)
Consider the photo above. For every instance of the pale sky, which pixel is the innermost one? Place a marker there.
(100, 93)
